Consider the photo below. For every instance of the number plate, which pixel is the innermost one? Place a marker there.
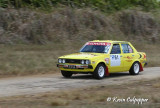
(71, 66)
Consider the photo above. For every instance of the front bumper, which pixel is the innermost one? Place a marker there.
(68, 66)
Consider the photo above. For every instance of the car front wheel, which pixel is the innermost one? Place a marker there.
(66, 74)
(135, 68)
(99, 71)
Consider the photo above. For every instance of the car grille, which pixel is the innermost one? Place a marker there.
(73, 61)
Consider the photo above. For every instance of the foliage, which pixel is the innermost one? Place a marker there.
(103, 5)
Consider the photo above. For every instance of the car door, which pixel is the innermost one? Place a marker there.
(116, 61)
(128, 56)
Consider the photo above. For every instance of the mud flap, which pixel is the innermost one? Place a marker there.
(141, 68)
(107, 72)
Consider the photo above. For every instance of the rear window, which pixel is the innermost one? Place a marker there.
(126, 48)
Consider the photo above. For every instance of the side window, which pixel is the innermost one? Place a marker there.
(126, 48)
(116, 49)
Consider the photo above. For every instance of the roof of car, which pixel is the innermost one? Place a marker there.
(109, 41)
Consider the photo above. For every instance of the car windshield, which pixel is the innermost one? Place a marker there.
(96, 48)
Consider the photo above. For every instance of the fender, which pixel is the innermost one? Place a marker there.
(134, 61)
(99, 61)
(107, 71)
(141, 67)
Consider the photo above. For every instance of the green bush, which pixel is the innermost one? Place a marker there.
(103, 5)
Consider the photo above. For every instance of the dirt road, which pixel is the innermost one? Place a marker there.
(46, 83)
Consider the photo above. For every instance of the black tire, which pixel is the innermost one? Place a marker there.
(99, 72)
(66, 74)
(135, 69)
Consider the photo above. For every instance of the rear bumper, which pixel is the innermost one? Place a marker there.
(145, 64)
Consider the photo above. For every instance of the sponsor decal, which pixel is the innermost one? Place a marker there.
(115, 60)
(106, 60)
(128, 57)
(98, 43)
(128, 60)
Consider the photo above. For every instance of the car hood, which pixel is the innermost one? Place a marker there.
(81, 55)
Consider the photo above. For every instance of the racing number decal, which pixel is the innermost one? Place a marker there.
(115, 60)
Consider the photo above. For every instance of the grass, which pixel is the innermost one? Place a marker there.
(31, 41)
(29, 59)
(103, 5)
(39, 59)
(90, 97)
(59, 102)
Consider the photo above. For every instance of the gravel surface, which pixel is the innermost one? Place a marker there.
(49, 83)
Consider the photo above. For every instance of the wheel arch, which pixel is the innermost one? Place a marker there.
(101, 63)
(107, 71)
(141, 67)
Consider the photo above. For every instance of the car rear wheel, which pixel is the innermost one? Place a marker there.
(66, 74)
(135, 68)
(99, 71)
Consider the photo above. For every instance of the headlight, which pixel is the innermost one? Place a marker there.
(82, 62)
(85, 62)
(63, 61)
(59, 60)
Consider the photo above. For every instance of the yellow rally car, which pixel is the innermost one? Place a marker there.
(101, 57)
